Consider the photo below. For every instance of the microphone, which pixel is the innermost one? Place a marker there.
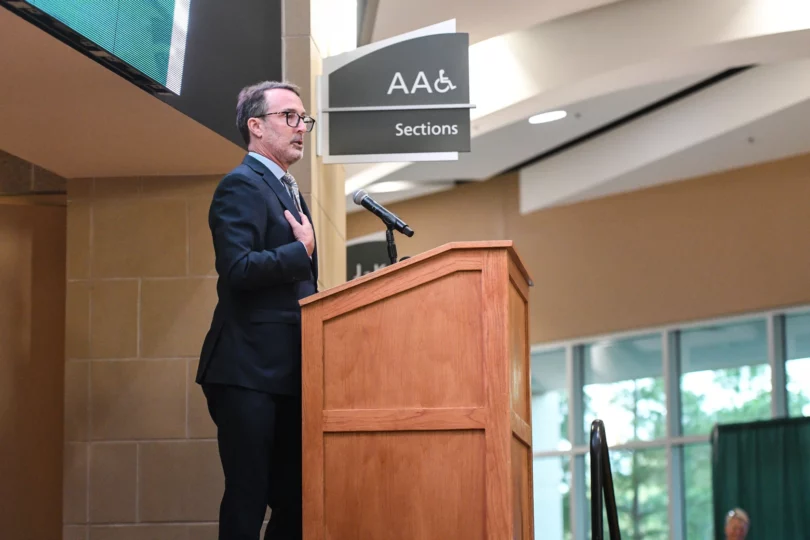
(391, 220)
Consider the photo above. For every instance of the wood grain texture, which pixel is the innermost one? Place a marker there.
(312, 423)
(495, 305)
(420, 348)
(454, 247)
(517, 278)
(412, 278)
(404, 419)
(405, 486)
(521, 417)
(521, 429)
(414, 395)
(520, 380)
(522, 495)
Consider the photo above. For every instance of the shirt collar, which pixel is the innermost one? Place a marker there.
(270, 164)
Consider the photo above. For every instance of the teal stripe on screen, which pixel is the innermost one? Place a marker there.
(144, 36)
(139, 32)
(94, 19)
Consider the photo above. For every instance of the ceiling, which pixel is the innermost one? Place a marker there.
(76, 118)
(503, 148)
(781, 135)
(506, 148)
(651, 89)
(616, 67)
(760, 114)
(482, 19)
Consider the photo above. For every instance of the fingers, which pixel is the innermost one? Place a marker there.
(305, 224)
(293, 223)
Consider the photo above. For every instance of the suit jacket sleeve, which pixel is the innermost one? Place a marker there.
(238, 221)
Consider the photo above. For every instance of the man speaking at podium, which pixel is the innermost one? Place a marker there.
(250, 365)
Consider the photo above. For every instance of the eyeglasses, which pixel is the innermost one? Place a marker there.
(293, 119)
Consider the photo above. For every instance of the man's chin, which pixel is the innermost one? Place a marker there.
(296, 154)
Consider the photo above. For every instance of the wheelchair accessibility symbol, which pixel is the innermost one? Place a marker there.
(442, 84)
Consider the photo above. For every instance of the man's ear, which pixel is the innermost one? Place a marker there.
(255, 127)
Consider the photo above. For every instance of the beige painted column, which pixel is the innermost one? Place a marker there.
(322, 185)
(32, 291)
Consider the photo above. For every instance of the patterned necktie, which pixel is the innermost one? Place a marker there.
(292, 189)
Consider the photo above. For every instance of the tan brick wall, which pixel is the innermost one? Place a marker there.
(141, 460)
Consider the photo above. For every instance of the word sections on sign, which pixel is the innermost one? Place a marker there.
(425, 129)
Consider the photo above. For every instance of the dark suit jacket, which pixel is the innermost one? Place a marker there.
(255, 335)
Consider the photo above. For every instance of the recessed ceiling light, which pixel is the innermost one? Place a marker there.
(542, 118)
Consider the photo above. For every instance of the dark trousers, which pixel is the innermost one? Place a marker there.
(259, 438)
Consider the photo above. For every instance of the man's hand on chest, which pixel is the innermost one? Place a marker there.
(302, 231)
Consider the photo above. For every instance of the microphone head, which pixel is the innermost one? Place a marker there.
(359, 195)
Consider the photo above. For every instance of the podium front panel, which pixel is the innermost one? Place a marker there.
(417, 402)
(409, 350)
(405, 485)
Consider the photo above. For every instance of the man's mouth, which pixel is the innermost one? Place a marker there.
(298, 144)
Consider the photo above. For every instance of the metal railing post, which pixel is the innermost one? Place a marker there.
(602, 485)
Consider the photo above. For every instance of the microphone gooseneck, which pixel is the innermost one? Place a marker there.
(361, 198)
(392, 222)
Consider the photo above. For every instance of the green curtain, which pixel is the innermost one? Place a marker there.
(763, 468)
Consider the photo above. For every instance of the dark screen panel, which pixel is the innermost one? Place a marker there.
(230, 44)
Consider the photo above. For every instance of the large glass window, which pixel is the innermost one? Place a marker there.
(722, 373)
(697, 477)
(550, 400)
(797, 367)
(642, 494)
(552, 498)
(726, 377)
(624, 387)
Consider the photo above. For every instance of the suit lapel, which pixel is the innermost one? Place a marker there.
(286, 201)
(314, 251)
(275, 184)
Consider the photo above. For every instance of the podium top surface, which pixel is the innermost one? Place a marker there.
(416, 259)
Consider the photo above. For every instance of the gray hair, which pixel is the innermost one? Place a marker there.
(252, 103)
(738, 513)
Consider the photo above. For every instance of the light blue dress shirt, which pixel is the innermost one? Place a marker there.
(270, 164)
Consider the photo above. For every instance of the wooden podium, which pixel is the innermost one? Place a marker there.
(416, 401)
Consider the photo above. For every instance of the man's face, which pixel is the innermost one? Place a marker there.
(277, 138)
(735, 529)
